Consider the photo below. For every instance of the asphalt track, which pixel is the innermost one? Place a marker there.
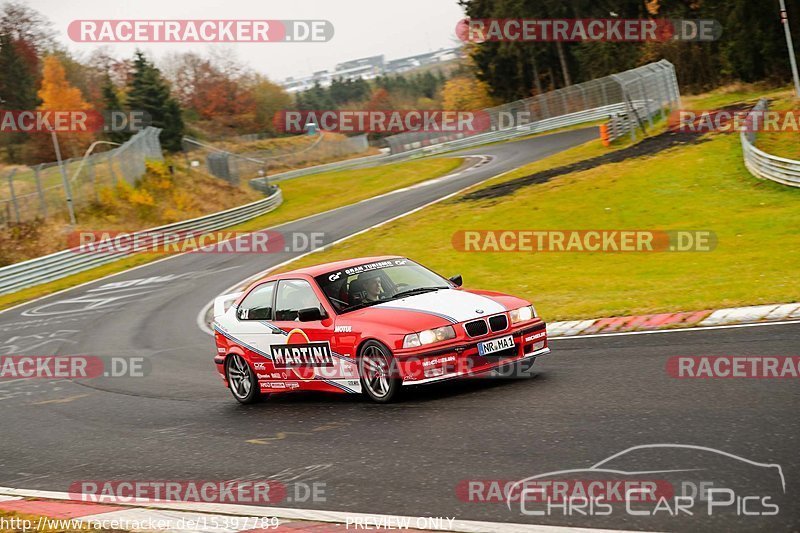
(588, 400)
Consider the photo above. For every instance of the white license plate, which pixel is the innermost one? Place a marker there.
(495, 345)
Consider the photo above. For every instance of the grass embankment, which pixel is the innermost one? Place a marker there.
(302, 197)
(701, 186)
(781, 143)
(159, 197)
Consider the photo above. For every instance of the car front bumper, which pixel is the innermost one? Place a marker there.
(463, 360)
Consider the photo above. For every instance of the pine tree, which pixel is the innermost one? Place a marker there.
(17, 84)
(149, 92)
(17, 91)
(111, 103)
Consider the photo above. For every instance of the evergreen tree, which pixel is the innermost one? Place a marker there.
(17, 83)
(17, 91)
(111, 103)
(149, 92)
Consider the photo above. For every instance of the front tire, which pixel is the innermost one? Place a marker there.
(241, 380)
(378, 372)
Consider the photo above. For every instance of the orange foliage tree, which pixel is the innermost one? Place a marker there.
(57, 94)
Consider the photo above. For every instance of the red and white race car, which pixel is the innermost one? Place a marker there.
(368, 325)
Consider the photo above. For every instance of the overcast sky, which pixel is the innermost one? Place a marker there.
(362, 28)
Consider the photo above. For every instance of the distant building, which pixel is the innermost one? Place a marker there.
(369, 68)
(373, 61)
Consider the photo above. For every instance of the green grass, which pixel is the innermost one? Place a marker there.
(697, 187)
(733, 94)
(786, 143)
(303, 196)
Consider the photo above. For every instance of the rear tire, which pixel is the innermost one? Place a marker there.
(378, 372)
(242, 380)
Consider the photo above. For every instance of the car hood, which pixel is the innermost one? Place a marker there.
(430, 310)
(450, 304)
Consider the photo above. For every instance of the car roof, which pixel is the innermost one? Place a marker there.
(317, 270)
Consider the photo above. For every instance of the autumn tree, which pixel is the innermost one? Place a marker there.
(465, 93)
(379, 101)
(57, 94)
(269, 99)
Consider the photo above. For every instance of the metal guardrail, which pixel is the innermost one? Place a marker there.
(763, 165)
(336, 165)
(655, 83)
(563, 121)
(635, 95)
(256, 165)
(67, 262)
(616, 127)
(573, 119)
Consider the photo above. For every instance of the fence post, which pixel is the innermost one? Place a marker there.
(13, 196)
(583, 94)
(42, 199)
(543, 106)
(628, 107)
(111, 170)
(603, 92)
(64, 178)
(646, 102)
(93, 175)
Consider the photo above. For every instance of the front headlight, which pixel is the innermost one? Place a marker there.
(522, 314)
(429, 336)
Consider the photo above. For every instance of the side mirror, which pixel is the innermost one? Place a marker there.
(310, 314)
(457, 280)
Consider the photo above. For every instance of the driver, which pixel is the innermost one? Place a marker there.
(372, 286)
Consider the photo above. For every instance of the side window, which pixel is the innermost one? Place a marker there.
(294, 295)
(258, 304)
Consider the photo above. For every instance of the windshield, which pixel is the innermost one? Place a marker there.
(372, 283)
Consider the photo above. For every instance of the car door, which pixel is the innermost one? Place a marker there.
(253, 328)
(309, 356)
